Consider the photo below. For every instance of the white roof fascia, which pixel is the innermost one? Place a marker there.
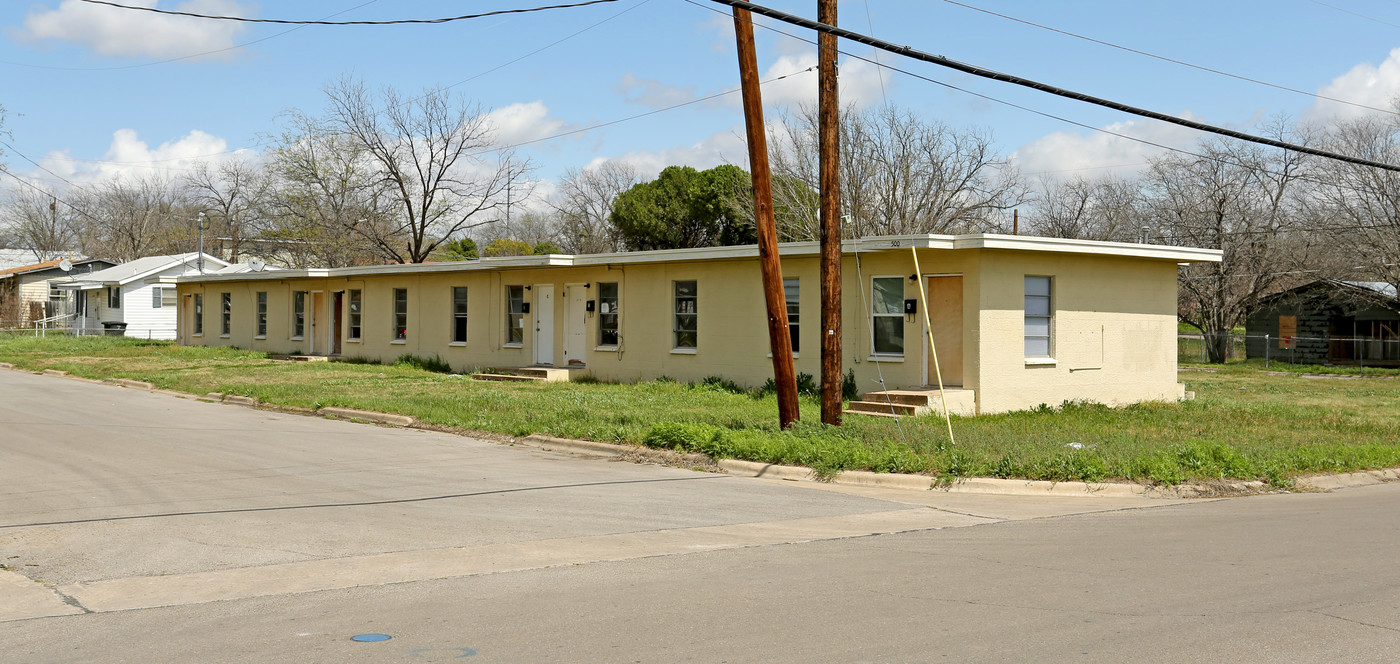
(870, 244)
(1068, 246)
(183, 259)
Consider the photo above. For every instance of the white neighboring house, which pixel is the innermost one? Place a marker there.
(139, 296)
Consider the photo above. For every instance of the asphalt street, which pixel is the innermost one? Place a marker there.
(139, 527)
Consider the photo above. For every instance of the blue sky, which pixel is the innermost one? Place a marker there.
(95, 92)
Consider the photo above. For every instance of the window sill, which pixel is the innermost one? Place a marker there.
(885, 358)
(353, 341)
(1041, 362)
(512, 345)
(399, 342)
(457, 344)
(224, 336)
(683, 351)
(606, 349)
(297, 338)
(794, 355)
(197, 334)
(260, 337)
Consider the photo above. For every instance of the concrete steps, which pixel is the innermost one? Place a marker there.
(533, 375)
(903, 403)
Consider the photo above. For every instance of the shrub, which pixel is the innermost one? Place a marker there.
(434, 363)
(681, 436)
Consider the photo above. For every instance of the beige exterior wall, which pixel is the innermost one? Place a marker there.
(1113, 337)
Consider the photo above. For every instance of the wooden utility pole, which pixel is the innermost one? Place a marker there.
(829, 150)
(779, 339)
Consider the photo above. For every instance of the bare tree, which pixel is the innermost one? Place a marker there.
(231, 194)
(431, 151)
(143, 216)
(899, 174)
(1104, 209)
(584, 202)
(326, 204)
(1362, 204)
(40, 223)
(1239, 198)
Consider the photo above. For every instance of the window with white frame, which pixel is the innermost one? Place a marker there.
(607, 314)
(515, 315)
(162, 296)
(261, 315)
(1038, 316)
(298, 314)
(459, 314)
(686, 329)
(55, 293)
(114, 297)
(400, 314)
(226, 320)
(887, 315)
(790, 292)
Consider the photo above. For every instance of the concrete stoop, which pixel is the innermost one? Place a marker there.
(899, 403)
(533, 375)
(300, 358)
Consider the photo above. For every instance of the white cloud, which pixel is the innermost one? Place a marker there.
(724, 147)
(128, 156)
(518, 123)
(651, 92)
(1367, 84)
(1068, 154)
(134, 33)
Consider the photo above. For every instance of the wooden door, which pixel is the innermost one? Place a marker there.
(945, 311)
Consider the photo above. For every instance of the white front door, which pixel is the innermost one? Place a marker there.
(575, 324)
(543, 308)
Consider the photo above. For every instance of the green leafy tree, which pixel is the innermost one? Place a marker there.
(507, 247)
(684, 207)
(547, 247)
(463, 249)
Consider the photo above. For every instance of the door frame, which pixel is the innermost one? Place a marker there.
(929, 377)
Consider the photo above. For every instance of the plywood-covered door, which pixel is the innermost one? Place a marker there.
(575, 324)
(945, 310)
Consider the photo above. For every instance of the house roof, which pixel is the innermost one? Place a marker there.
(39, 267)
(793, 249)
(142, 268)
(1377, 292)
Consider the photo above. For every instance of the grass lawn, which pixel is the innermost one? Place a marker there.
(1245, 423)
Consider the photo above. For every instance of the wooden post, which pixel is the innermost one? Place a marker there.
(779, 339)
(829, 123)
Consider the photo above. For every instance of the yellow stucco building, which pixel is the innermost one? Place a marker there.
(1018, 321)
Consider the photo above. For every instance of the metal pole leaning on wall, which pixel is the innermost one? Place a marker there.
(928, 326)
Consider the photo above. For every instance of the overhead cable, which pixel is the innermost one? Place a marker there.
(408, 21)
(992, 74)
(1171, 60)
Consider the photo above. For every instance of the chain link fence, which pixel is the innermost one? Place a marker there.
(1346, 351)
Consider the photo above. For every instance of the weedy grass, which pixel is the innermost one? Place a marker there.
(1244, 423)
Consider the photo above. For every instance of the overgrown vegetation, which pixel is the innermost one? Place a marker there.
(1244, 423)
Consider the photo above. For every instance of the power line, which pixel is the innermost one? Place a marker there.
(1171, 60)
(1356, 14)
(1043, 87)
(184, 57)
(409, 21)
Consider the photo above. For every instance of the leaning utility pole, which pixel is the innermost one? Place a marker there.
(779, 339)
(829, 150)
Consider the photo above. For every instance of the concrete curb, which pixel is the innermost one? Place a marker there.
(54, 372)
(240, 400)
(579, 446)
(133, 384)
(352, 414)
(1348, 480)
